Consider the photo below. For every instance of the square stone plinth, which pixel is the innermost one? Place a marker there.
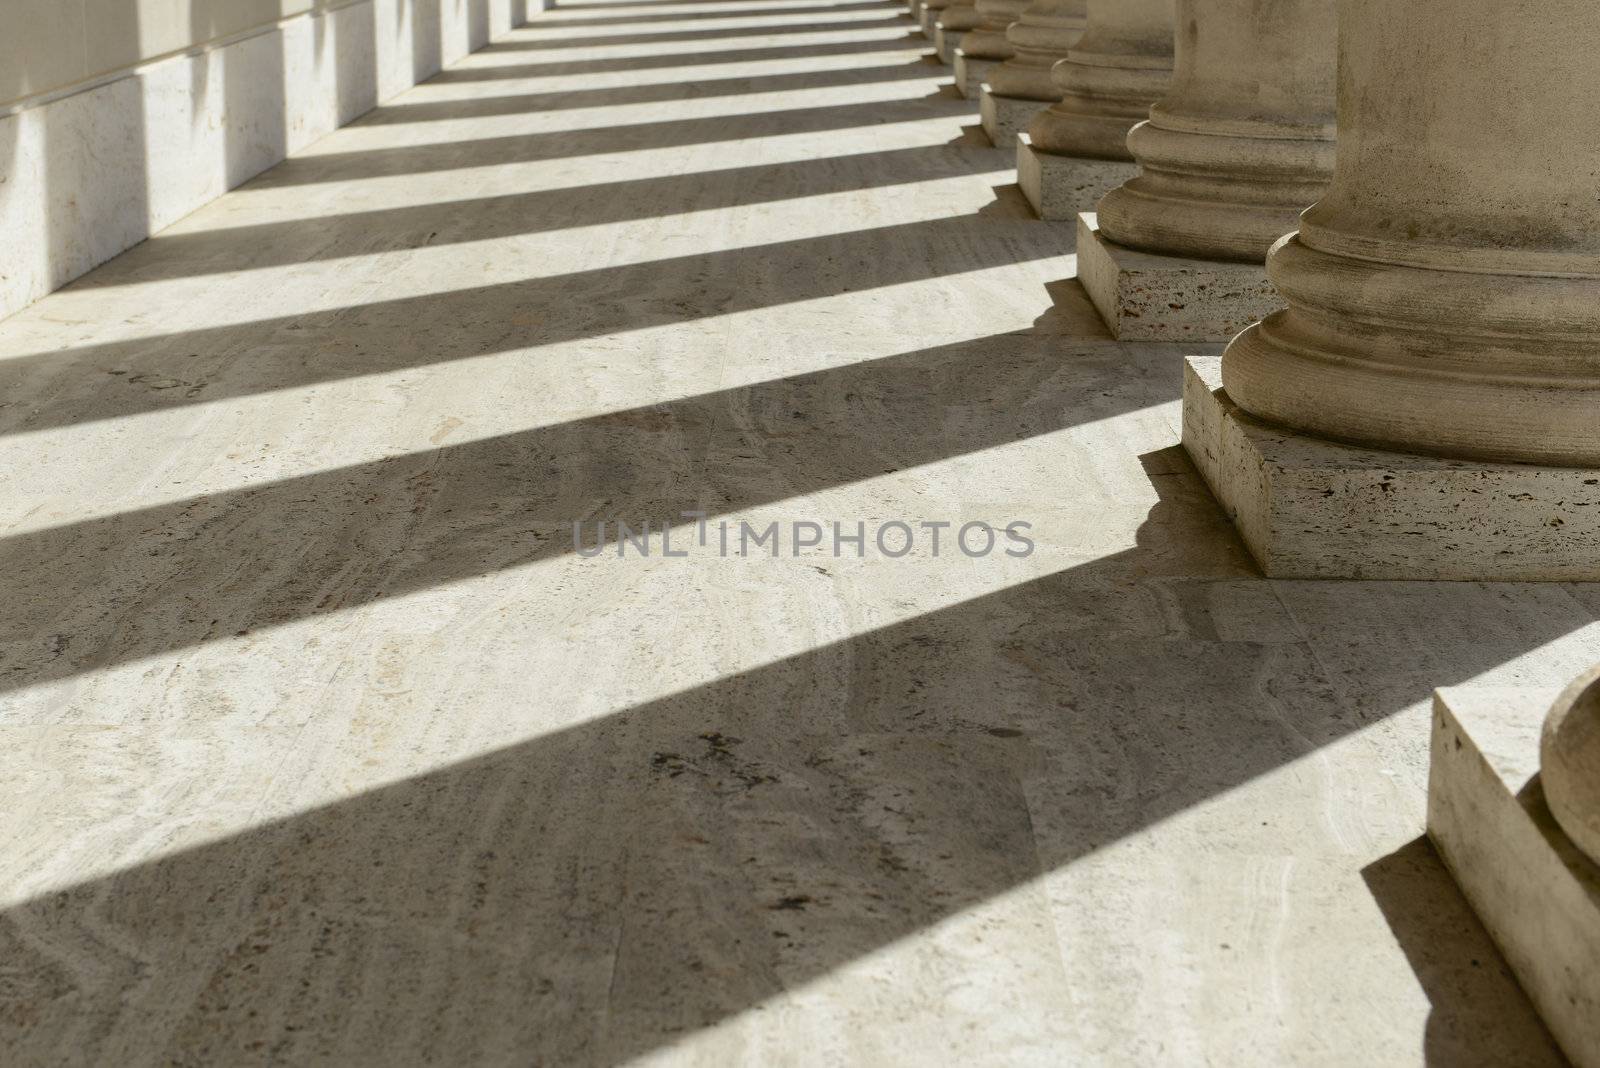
(1059, 187)
(1309, 508)
(945, 43)
(926, 18)
(1536, 893)
(1145, 297)
(971, 73)
(1005, 117)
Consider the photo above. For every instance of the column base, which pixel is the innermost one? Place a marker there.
(1310, 508)
(1147, 297)
(971, 73)
(945, 43)
(1536, 893)
(1005, 117)
(1059, 187)
(927, 17)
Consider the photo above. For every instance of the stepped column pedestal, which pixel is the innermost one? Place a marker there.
(1240, 145)
(1427, 406)
(1021, 87)
(952, 24)
(1076, 150)
(986, 46)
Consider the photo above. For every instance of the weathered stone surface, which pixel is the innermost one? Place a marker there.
(971, 72)
(1444, 295)
(1146, 297)
(988, 40)
(1311, 508)
(1535, 891)
(1005, 117)
(1059, 187)
(1243, 140)
(1117, 69)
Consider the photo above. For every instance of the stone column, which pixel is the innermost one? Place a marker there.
(1076, 150)
(1021, 87)
(1240, 145)
(1428, 405)
(928, 13)
(952, 24)
(986, 46)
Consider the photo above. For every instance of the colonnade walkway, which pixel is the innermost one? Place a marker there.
(325, 744)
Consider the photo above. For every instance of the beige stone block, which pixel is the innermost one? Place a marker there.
(1146, 297)
(1059, 187)
(1005, 117)
(971, 72)
(1309, 508)
(1537, 894)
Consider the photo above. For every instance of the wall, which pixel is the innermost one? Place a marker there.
(123, 116)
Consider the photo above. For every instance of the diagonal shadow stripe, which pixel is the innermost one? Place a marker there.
(127, 377)
(526, 42)
(561, 19)
(565, 68)
(367, 233)
(603, 140)
(595, 893)
(649, 93)
(339, 538)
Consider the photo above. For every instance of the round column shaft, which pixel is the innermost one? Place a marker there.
(1444, 294)
(1569, 755)
(1119, 67)
(1243, 140)
(1041, 36)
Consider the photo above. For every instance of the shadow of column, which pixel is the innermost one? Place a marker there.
(1465, 978)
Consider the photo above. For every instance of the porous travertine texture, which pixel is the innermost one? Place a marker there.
(1489, 815)
(1311, 508)
(1060, 187)
(322, 745)
(1144, 297)
(1004, 117)
(1444, 295)
(1119, 67)
(1243, 140)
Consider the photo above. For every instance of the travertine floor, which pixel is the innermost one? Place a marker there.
(323, 745)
